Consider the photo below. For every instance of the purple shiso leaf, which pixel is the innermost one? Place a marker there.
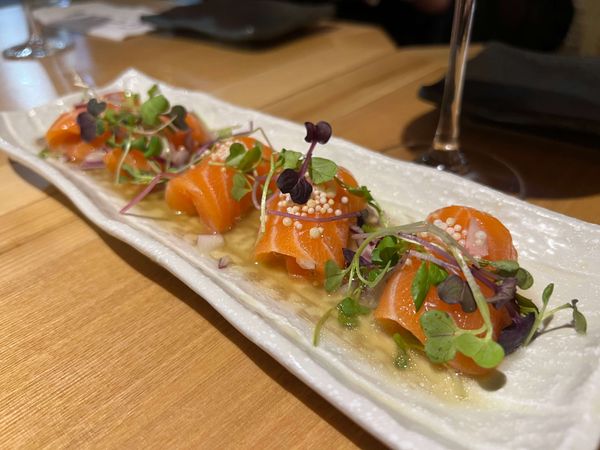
(349, 215)
(349, 256)
(514, 335)
(87, 126)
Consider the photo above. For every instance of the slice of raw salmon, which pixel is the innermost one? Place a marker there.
(135, 159)
(484, 236)
(205, 189)
(64, 137)
(197, 132)
(303, 246)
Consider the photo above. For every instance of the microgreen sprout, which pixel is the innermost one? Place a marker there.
(320, 170)
(456, 275)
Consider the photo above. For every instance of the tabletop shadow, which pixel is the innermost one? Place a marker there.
(157, 274)
(552, 168)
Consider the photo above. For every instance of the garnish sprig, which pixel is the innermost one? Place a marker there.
(293, 181)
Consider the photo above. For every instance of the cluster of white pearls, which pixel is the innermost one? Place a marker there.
(456, 231)
(220, 151)
(320, 203)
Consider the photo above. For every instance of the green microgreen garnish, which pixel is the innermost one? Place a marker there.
(322, 170)
(362, 192)
(402, 360)
(542, 316)
(152, 109)
(241, 186)
(349, 309)
(428, 275)
(445, 338)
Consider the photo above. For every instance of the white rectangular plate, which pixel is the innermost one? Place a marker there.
(551, 398)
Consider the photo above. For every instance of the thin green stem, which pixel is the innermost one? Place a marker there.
(263, 198)
(122, 160)
(319, 325)
(477, 294)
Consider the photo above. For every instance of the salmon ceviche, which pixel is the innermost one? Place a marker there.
(449, 286)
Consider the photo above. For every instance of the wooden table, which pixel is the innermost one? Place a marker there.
(100, 346)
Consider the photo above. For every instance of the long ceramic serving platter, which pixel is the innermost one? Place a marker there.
(551, 394)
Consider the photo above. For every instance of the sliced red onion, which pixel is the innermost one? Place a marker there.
(224, 261)
(313, 219)
(427, 257)
(91, 165)
(144, 192)
(180, 157)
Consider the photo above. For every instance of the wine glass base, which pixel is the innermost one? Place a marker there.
(38, 48)
(478, 167)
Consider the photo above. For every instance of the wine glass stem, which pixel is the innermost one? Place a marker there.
(35, 34)
(448, 129)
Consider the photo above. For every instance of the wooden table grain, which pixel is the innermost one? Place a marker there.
(100, 347)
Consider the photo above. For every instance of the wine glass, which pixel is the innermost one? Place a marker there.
(38, 44)
(445, 152)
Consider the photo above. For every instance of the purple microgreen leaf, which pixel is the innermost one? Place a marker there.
(349, 256)
(179, 113)
(514, 335)
(505, 292)
(454, 290)
(87, 126)
(95, 108)
(311, 132)
(289, 182)
(301, 192)
(323, 132)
